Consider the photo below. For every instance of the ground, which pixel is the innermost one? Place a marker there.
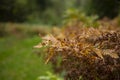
(19, 60)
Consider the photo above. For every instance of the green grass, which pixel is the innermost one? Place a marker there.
(18, 60)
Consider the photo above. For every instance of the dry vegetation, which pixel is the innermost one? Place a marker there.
(85, 53)
(23, 30)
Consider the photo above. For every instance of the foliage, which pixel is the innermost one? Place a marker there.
(14, 10)
(103, 8)
(21, 10)
(49, 76)
(51, 11)
(73, 15)
(92, 53)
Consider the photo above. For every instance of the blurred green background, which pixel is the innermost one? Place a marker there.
(18, 59)
(22, 20)
(51, 11)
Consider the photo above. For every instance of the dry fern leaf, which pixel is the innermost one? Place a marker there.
(47, 40)
(98, 52)
(111, 53)
(38, 46)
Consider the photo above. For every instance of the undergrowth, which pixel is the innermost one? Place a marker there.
(85, 53)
